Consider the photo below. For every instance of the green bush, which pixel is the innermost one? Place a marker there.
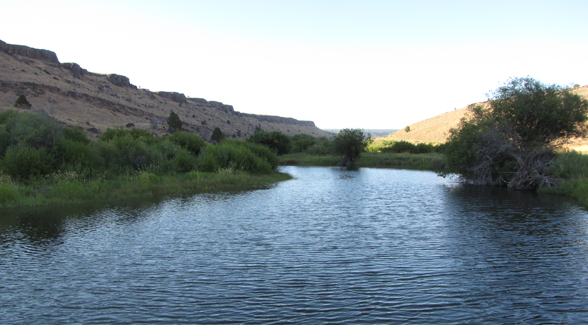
(22, 102)
(217, 135)
(322, 147)
(191, 142)
(23, 162)
(301, 142)
(174, 123)
(276, 141)
(238, 155)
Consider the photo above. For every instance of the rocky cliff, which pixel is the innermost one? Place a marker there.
(94, 101)
(29, 52)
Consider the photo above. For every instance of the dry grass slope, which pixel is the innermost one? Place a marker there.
(95, 102)
(436, 129)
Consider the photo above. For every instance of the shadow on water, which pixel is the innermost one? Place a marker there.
(521, 248)
(40, 225)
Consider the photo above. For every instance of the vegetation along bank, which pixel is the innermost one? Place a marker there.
(43, 162)
(513, 140)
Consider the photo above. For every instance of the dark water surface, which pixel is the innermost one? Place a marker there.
(332, 246)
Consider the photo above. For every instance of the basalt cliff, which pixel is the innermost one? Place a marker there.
(95, 102)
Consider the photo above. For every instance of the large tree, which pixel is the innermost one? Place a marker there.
(350, 143)
(510, 139)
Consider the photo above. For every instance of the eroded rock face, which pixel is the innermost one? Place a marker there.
(200, 101)
(75, 69)
(221, 106)
(29, 52)
(120, 81)
(173, 96)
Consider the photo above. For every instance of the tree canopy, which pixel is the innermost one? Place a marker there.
(510, 140)
(174, 123)
(350, 143)
(275, 140)
(217, 135)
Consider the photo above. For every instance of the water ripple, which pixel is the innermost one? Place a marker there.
(332, 246)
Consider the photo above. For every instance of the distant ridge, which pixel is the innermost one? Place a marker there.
(95, 102)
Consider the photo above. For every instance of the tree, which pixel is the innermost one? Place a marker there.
(278, 142)
(22, 102)
(174, 123)
(217, 135)
(510, 140)
(350, 143)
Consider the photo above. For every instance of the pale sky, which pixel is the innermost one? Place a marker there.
(342, 64)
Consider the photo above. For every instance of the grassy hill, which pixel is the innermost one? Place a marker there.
(95, 102)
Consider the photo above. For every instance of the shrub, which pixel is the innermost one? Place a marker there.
(174, 123)
(322, 147)
(238, 155)
(191, 142)
(217, 135)
(22, 102)
(301, 142)
(275, 140)
(24, 162)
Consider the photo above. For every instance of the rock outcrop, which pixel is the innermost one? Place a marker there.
(96, 102)
(75, 69)
(173, 96)
(120, 81)
(226, 108)
(29, 52)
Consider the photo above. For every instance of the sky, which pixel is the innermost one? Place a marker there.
(371, 64)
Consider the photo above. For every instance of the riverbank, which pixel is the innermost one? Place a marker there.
(430, 161)
(570, 167)
(69, 188)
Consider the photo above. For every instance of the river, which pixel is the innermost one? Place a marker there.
(330, 246)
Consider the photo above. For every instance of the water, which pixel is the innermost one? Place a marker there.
(332, 246)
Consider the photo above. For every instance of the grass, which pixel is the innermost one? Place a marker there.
(432, 161)
(68, 188)
(572, 167)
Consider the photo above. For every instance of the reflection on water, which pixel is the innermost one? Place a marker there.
(332, 245)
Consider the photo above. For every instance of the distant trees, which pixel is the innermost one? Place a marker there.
(22, 102)
(350, 143)
(174, 123)
(277, 141)
(217, 135)
(510, 140)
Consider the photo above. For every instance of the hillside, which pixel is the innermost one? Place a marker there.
(436, 129)
(95, 102)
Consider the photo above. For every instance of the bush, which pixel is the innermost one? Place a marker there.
(191, 142)
(238, 155)
(22, 102)
(217, 135)
(276, 141)
(322, 147)
(24, 162)
(174, 123)
(301, 142)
